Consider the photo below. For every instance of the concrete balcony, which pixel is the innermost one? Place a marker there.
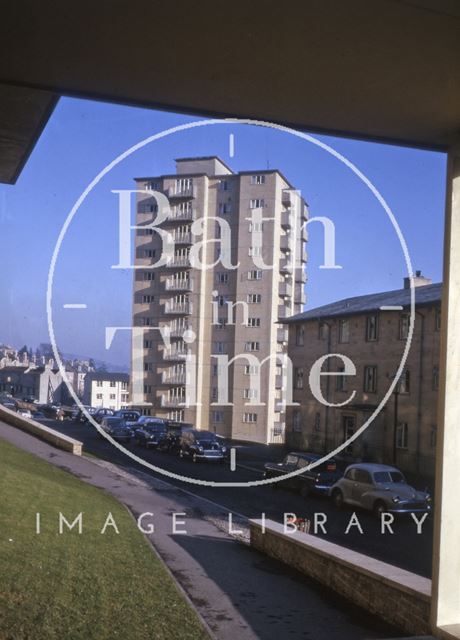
(286, 219)
(282, 311)
(285, 243)
(303, 255)
(285, 289)
(178, 308)
(176, 215)
(279, 379)
(178, 192)
(183, 237)
(174, 377)
(285, 266)
(300, 297)
(177, 330)
(173, 401)
(287, 197)
(175, 354)
(178, 262)
(282, 334)
(300, 276)
(179, 284)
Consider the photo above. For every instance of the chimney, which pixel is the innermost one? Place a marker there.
(418, 280)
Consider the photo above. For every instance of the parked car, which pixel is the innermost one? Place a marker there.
(9, 404)
(30, 400)
(201, 445)
(116, 428)
(174, 430)
(25, 413)
(102, 413)
(130, 416)
(151, 433)
(317, 480)
(52, 411)
(378, 488)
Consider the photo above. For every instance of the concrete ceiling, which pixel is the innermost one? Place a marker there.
(386, 70)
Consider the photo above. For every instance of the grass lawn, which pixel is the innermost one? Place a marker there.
(71, 586)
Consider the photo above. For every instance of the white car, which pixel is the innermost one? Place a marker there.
(25, 413)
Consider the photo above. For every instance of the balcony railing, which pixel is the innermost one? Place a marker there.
(285, 266)
(300, 276)
(183, 237)
(173, 401)
(175, 377)
(178, 307)
(278, 433)
(181, 191)
(286, 219)
(177, 330)
(282, 334)
(282, 311)
(178, 262)
(178, 215)
(175, 354)
(178, 284)
(285, 289)
(285, 243)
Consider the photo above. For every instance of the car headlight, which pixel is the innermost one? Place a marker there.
(200, 449)
(224, 449)
(396, 499)
(429, 498)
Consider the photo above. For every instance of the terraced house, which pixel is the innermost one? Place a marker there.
(220, 312)
(372, 331)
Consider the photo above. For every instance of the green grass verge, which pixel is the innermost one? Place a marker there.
(71, 586)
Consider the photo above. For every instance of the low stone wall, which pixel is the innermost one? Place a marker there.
(397, 596)
(41, 431)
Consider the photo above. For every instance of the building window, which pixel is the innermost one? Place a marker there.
(183, 185)
(404, 324)
(254, 252)
(148, 344)
(258, 179)
(251, 346)
(254, 298)
(317, 421)
(222, 278)
(370, 379)
(224, 208)
(223, 185)
(99, 396)
(322, 330)
(148, 208)
(214, 393)
(220, 347)
(147, 299)
(256, 203)
(433, 435)
(98, 383)
(251, 369)
(437, 319)
(296, 420)
(222, 323)
(341, 379)
(402, 433)
(344, 330)
(435, 378)
(217, 416)
(298, 378)
(112, 396)
(147, 388)
(256, 227)
(300, 335)
(253, 322)
(152, 186)
(112, 383)
(250, 417)
(255, 274)
(149, 275)
(250, 394)
(404, 382)
(149, 253)
(371, 328)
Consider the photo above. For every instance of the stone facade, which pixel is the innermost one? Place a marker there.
(374, 339)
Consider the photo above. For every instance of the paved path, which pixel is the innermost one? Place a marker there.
(240, 593)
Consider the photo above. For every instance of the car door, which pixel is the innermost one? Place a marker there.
(361, 485)
(346, 485)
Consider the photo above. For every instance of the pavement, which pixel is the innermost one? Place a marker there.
(237, 591)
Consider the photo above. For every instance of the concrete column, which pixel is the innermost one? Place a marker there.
(446, 550)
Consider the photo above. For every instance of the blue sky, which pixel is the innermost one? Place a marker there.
(82, 137)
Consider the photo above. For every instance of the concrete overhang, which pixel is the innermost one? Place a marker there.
(384, 70)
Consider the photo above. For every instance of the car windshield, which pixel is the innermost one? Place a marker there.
(382, 477)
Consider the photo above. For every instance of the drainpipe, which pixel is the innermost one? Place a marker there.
(328, 378)
(419, 399)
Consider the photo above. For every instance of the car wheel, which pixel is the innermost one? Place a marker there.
(379, 508)
(305, 491)
(337, 497)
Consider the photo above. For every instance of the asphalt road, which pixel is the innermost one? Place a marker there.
(404, 548)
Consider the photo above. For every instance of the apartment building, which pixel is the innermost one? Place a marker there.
(237, 265)
(372, 331)
(106, 389)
